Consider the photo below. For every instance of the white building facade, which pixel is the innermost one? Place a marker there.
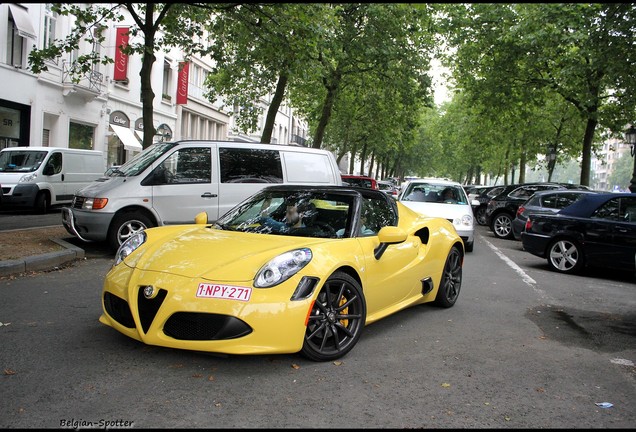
(103, 111)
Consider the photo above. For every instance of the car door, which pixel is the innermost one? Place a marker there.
(624, 232)
(605, 236)
(395, 276)
(184, 185)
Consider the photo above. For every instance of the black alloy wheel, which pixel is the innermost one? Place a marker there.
(336, 320)
(480, 216)
(451, 281)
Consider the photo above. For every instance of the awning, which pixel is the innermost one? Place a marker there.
(22, 21)
(127, 137)
(140, 134)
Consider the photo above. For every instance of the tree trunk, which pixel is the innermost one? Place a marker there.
(327, 107)
(586, 155)
(277, 99)
(147, 95)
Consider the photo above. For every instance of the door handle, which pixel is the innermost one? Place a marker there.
(62, 177)
(209, 195)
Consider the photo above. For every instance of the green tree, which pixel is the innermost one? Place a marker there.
(257, 50)
(158, 25)
(580, 52)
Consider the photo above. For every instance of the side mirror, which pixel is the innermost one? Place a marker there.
(201, 218)
(389, 235)
(48, 170)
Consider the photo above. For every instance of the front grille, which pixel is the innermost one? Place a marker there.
(148, 307)
(118, 309)
(204, 326)
(78, 202)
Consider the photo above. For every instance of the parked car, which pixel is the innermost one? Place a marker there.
(483, 194)
(425, 196)
(170, 182)
(388, 188)
(502, 208)
(544, 202)
(359, 180)
(596, 230)
(38, 178)
(240, 287)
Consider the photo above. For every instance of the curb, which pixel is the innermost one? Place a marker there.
(45, 261)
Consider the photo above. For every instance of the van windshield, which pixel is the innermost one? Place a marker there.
(21, 160)
(143, 160)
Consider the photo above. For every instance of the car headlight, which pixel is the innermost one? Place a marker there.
(282, 268)
(466, 220)
(129, 246)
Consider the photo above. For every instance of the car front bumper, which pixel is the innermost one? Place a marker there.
(269, 322)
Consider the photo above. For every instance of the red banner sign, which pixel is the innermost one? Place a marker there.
(121, 59)
(182, 83)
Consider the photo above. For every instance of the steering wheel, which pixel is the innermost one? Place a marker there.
(325, 227)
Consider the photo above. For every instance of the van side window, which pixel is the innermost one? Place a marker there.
(242, 165)
(55, 162)
(186, 166)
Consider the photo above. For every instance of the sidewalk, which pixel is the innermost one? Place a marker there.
(45, 261)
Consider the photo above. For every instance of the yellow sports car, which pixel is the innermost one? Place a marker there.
(291, 269)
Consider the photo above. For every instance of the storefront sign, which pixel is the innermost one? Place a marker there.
(121, 58)
(182, 83)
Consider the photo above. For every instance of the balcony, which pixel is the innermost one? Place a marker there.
(88, 86)
(299, 140)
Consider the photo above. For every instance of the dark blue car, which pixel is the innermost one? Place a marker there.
(597, 230)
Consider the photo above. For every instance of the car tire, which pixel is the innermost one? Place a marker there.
(480, 216)
(125, 225)
(565, 256)
(42, 203)
(501, 226)
(469, 246)
(451, 281)
(336, 320)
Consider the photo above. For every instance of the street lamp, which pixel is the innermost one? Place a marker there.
(630, 138)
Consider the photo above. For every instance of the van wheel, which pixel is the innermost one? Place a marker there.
(41, 203)
(124, 226)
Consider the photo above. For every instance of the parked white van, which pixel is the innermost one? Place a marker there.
(40, 177)
(170, 183)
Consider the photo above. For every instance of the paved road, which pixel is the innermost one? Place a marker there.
(522, 348)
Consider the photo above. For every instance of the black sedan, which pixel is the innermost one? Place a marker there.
(544, 202)
(597, 230)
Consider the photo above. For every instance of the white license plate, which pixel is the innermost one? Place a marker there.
(208, 290)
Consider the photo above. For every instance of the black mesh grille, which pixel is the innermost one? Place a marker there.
(118, 309)
(148, 307)
(204, 326)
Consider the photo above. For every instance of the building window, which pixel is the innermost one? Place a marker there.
(167, 78)
(81, 136)
(50, 19)
(15, 48)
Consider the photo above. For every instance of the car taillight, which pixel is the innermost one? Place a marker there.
(528, 225)
(520, 210)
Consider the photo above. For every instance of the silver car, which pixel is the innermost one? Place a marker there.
(442, 198)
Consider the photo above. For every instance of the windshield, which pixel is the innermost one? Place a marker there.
(142, 160)
(21, 160)
(438, 193)
(296, 213)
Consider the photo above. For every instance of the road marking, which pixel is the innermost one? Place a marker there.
(524, 276)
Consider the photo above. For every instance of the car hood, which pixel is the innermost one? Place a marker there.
(446, 211)
(212, 253)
